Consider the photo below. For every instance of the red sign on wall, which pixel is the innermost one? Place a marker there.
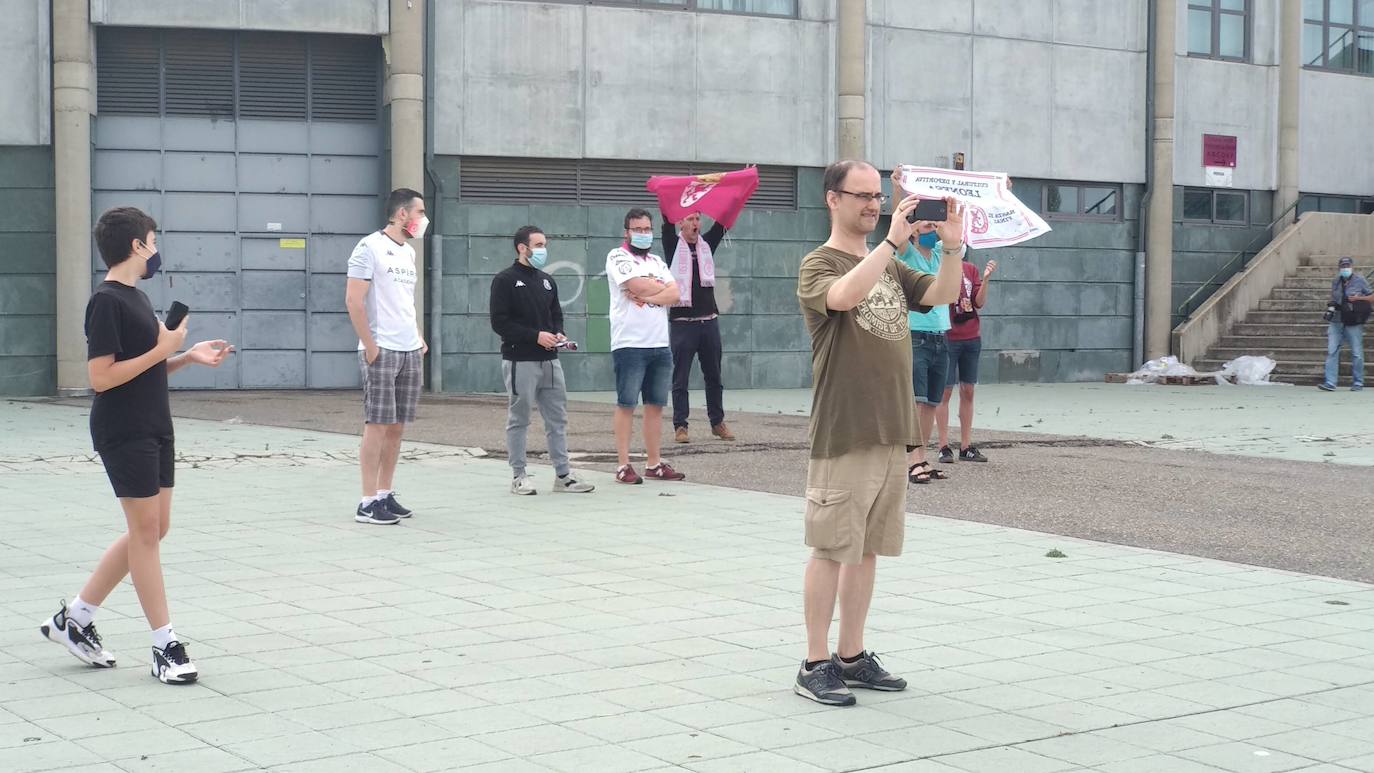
(1218, 150)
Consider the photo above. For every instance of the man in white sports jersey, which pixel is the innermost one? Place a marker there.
(381, 306)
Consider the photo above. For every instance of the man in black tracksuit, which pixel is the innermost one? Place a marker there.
(526, 314)
(695, 325)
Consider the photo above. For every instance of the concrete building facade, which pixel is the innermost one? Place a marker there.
(262, 134)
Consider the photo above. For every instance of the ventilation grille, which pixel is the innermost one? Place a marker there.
(246, 74)
(344, 77)
(594, 181)
(272, 81)
(127, 80)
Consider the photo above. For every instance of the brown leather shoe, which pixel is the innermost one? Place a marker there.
(722, 431)
(681, 435)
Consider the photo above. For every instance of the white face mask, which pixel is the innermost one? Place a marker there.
(415, 229)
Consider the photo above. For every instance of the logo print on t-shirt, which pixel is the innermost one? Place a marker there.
(547, 286)
(519, 283)
(883, 312)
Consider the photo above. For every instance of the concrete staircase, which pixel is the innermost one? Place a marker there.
(1288, 326)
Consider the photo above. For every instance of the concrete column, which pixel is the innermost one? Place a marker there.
(72, 83)
(405, 92)
(1159, 238)
(852, 60)
(1290, 70)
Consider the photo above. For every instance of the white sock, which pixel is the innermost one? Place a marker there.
(164, 636)
(383, 493)
(82, 612)
(367, 501)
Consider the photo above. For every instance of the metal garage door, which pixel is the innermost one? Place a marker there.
(258, 155)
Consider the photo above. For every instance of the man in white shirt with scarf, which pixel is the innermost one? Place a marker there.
(695, 328)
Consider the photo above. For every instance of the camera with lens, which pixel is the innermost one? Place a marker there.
(1331, 310)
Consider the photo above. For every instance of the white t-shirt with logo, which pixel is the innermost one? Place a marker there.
(390, 269)
(636, 325)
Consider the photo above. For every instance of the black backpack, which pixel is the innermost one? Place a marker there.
(1353, 313)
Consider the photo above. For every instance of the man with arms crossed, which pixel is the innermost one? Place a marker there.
(130, 354)
(855, 301)
(526, 313)
(642, 289)
(381, 306)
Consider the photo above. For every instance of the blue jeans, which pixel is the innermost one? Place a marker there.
(1353, 337)
(642, 371)
(929, 366)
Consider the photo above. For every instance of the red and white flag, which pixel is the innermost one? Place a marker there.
(721, 196)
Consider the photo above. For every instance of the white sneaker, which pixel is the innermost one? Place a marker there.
(569, 484)
(83, 643)
(523, 486)
(171, 665)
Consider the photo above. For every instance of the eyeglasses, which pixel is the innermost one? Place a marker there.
(881, 198)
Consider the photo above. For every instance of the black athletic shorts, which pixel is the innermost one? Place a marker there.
(140, 467)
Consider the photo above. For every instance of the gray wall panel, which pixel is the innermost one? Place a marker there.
(148, 201)
(335, 370)
(273, 330)
(197, 134)
(346, 174)
(274, 173)
(127, 170)
(352, 17)
(272, 370)
(198, 251)
(259, 211)
(332, 332)
(329, 253)
(327, 291)
(345, 138)
(198, 171)
(268, 253)
(128, 132)
(198, 212)
(207, 292)
(273, 290)
(343, 214)
(273, 136)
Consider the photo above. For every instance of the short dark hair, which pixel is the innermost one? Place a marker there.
(116, 231)
(522, 237)
(836, 173)
(401, 197)
(635, 214)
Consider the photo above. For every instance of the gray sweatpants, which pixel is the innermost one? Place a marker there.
(526, 384)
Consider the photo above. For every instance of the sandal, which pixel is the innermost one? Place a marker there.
(937, 474)
(915, 474)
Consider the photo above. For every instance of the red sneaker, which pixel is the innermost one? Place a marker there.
(627, 474)
(663, 472)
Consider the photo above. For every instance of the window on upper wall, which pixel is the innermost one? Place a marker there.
(1206, 205)
(784, 8)
(1219, 29)
(1081, 201)
(1338, 35)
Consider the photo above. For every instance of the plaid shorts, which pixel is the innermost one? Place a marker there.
(391, 386)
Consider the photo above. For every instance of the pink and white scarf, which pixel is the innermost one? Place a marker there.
(682, 268)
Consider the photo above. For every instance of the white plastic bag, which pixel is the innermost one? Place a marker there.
(1250, 370)
(1151, 371)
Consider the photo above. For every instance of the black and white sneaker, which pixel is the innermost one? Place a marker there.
(376, 512)
(171, 665)
(823, 684)
(946, 455)
(868, 672)
(83, 643)
(395, 507)
(972, 454)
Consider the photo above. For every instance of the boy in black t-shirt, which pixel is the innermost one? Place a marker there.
(129, 355)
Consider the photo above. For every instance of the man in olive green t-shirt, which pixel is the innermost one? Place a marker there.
(855, 301)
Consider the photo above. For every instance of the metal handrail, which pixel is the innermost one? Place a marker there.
(1184, 309)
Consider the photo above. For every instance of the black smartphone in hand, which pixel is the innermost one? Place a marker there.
(175, 315)
(934, 210)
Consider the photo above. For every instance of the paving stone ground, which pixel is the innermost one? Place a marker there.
(646, 628)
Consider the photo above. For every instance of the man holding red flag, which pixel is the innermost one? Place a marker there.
(695, 328)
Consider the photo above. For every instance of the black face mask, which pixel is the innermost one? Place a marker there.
(154, 263)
